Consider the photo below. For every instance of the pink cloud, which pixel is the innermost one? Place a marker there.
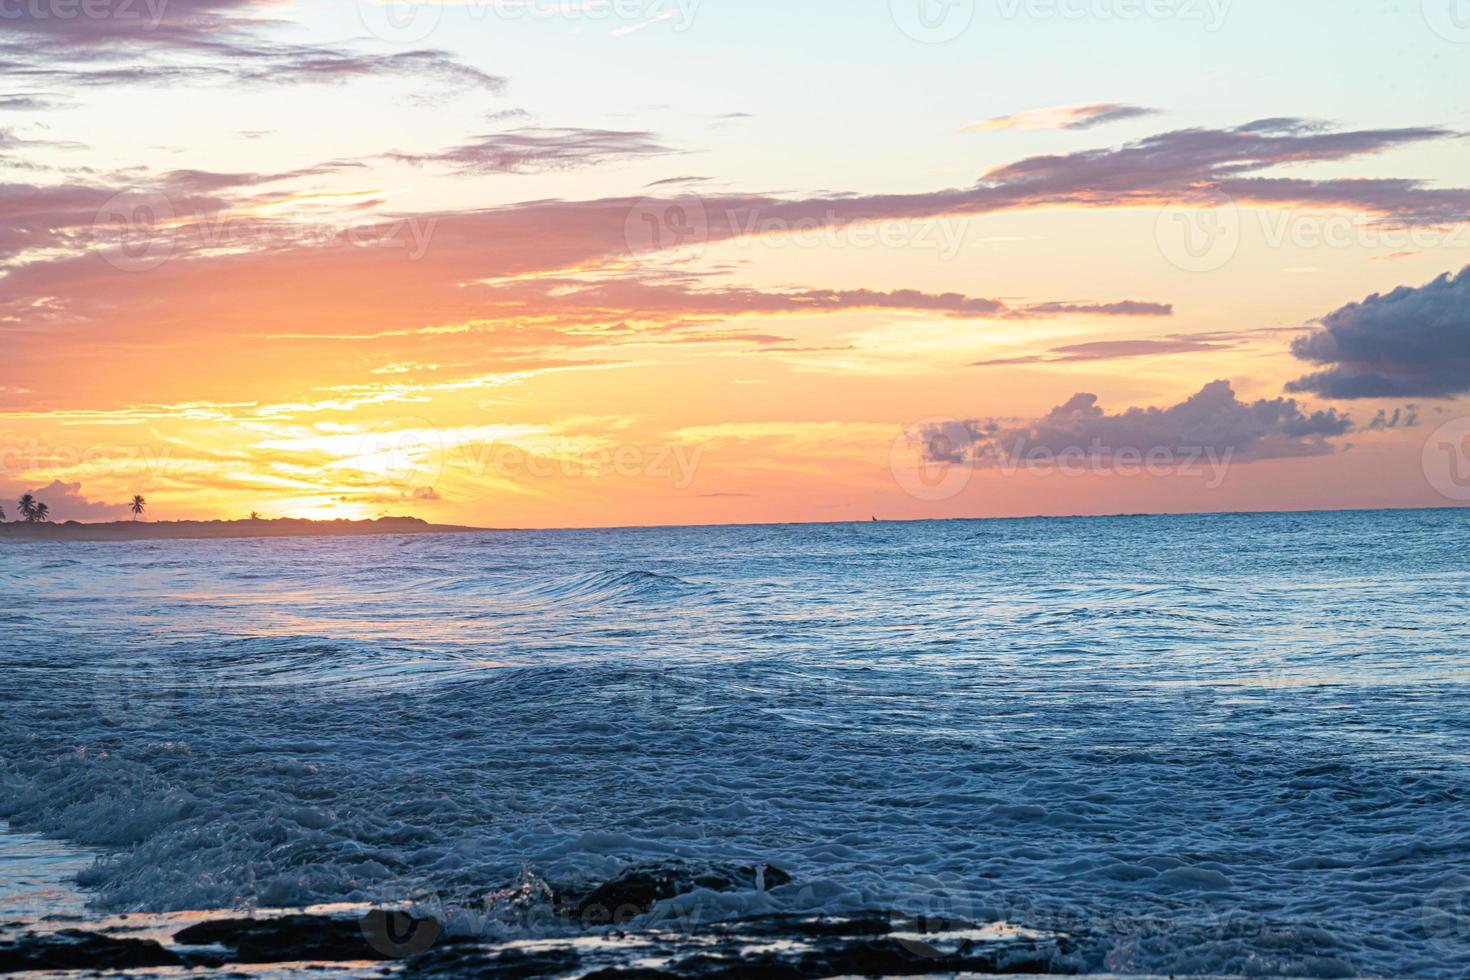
(66, 503)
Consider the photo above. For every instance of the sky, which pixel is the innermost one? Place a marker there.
(550, 263)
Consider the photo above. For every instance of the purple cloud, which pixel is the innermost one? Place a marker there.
(1212, 422)
(64, 502)
(114, 42)
(1407, 343)
(1112, 350)
(1064, 117)
(452, 277)
(643, 299)
(536, 150)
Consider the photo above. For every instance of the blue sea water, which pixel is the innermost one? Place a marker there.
(1217, 744)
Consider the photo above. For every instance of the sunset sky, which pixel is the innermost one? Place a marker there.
(614, 262)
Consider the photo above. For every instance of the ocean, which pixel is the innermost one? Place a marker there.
(1139, 745)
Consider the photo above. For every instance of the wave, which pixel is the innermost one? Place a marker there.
(614, 586)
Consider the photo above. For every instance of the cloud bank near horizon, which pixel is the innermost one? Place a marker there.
(1212, 422)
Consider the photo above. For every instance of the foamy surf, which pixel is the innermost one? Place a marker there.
(1209, 757)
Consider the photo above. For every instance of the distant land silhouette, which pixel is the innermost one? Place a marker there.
(166, 530)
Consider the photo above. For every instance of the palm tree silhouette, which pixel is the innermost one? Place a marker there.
(43, 513)
(28, 509)
(254, 515)
(138, 505)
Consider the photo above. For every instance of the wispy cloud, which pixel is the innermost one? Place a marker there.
(537, 150)
(459, 275)
(1112, 350)
(628, 298)
(32, 102)
(1063, 117)
(122, 42)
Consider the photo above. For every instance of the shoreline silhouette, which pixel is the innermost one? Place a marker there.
(133, 530)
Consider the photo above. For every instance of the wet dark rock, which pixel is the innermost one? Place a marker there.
(862, 957)
(769, 948)
(378, 935)
(480, 961)
(74, 949)
(782, 926)
(637, 890)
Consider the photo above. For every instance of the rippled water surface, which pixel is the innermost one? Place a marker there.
(1208, 744)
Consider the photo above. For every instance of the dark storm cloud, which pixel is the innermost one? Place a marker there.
(1414, 341)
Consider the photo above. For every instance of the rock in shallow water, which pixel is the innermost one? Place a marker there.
(769, 948)
(74, 949)
(637, 890)
(378, 935)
